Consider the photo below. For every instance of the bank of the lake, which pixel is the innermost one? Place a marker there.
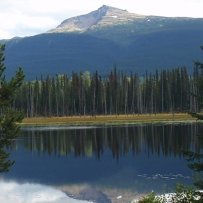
(109, 119)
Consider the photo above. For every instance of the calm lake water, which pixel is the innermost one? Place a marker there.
(106, 163)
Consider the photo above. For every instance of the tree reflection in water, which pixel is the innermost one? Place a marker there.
(5, 143)
(5, 163)
(166, 140)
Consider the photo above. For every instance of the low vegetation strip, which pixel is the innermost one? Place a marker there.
(109, 119)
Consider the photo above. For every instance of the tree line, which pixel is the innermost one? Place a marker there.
(117, 93)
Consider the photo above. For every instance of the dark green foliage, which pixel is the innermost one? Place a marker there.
(116, 93)
(150, 198)
(198, 116)
(8, 116)
(183, 194)
(187, 195)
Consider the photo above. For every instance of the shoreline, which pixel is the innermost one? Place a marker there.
(109, 119)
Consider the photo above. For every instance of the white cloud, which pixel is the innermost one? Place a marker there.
(32, 193)
(28, 17)
(162, 7)
(5, 34)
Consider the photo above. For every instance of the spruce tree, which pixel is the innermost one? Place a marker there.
(9, 117)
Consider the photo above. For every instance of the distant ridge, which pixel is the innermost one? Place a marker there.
(105, 38)
(104, 16)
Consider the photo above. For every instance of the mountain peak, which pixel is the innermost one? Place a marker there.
(103, 16)
(106, 8)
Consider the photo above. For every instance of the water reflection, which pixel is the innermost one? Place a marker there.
(15, 192)
(167, 140)
(114, 160)
(5, 163)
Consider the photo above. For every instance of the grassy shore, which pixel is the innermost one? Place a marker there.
(108, 119)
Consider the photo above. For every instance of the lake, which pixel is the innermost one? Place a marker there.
(102, 163)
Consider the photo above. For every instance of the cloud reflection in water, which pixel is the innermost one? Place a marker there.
(32, 193)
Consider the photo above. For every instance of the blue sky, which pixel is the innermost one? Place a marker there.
(30, 17)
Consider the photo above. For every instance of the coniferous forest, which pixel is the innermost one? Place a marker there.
(117, 93)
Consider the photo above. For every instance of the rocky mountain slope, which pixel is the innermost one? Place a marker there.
(103, 17)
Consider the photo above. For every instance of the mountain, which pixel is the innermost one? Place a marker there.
(103, 17)
(105, 38)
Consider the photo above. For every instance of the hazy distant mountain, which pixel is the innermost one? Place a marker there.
(108, 37)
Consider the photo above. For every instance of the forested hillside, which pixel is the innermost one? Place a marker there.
(117, 93)
(145, 45)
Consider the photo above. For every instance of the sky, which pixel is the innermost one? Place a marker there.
(30, 17)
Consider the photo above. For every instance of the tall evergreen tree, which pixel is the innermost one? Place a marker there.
(8, 116)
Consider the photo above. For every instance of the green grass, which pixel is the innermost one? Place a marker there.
(109, 119)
